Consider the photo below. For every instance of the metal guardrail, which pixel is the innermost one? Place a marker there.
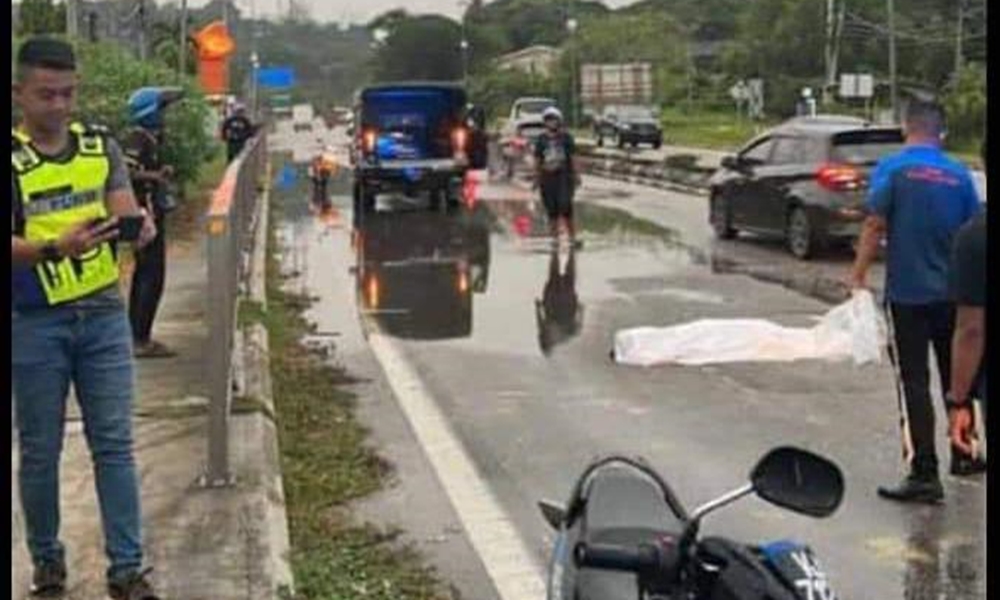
(230, 226)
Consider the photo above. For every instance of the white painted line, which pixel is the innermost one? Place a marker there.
(493, 535)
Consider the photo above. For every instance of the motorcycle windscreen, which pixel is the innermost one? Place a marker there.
(413, 123)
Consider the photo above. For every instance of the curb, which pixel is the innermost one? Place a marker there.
(253, 347)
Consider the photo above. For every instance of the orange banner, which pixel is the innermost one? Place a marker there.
(215, 46)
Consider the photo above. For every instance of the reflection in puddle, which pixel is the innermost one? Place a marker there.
(558, 313)
(417, 272)
(937, 566)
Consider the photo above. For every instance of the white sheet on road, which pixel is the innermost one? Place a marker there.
(853, 330)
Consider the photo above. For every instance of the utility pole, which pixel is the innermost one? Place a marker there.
(72, 19)
(893, 82)
(830, 74)
(958, 40)
(182, 59)
(142, 30)
(464, 44)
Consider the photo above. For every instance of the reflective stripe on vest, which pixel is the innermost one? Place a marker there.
(58, 196)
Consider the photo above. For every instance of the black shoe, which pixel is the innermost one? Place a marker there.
(920, 490)
(134, 586)
(49, 581)
(964, 465)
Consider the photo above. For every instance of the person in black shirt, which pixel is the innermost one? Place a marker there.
(556, 172)
(968, 375)
(150, 178)
(236, 130)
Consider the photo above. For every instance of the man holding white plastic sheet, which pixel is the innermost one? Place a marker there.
(918, 200)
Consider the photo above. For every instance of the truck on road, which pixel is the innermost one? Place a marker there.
(414, 138)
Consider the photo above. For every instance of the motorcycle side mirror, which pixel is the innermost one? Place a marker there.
(799, 481)
(554, 513)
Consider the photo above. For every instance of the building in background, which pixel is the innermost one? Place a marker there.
(533, 60)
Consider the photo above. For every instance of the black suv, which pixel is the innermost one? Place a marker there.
(805, 181)
(414, 138)
(632, 125)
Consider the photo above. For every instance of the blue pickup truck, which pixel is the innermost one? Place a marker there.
(414, 138)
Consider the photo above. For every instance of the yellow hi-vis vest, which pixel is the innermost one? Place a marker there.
(58, 195)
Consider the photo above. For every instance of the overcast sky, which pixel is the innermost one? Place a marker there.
(361, 11)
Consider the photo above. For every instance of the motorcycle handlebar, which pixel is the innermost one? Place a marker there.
(645, 559)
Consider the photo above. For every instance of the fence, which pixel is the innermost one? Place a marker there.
(230, 228)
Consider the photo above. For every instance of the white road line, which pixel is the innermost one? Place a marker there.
(492, 533)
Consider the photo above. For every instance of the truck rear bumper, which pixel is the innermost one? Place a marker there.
(411, 174)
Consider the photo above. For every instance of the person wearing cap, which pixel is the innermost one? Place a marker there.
(555, 171)
(237, 129)
(70, 187)
(150, 180)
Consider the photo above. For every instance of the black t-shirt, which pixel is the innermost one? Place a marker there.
(142, 152)
(968, 264)
(554, 153)
(237, 129)
(968, 273)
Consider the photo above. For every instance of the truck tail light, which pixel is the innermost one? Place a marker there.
(368, 139)
(460, 140)
(374, 293)
(839, 177)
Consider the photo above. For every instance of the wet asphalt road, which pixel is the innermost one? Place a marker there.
(511, 336)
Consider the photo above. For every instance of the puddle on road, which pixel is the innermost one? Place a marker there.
(488, 273)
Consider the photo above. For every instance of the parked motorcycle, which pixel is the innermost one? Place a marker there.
(624, 535)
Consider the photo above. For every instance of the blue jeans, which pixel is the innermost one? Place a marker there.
(91, 348)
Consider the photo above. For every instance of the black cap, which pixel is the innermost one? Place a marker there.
(47, 53)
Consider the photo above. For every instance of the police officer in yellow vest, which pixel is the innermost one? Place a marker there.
(69, 187)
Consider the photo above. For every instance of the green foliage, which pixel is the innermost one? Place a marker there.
(523, 23)
(108, 77)
(420, 48)
(38, 17)
(330, 64)
(966, 106)
(496, 90)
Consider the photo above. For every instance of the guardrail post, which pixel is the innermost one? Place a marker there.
(228, 237)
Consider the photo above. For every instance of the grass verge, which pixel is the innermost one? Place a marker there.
(326, 464)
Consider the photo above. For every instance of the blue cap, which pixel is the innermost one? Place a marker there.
(146, 105)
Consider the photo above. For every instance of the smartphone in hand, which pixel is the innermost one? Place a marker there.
(130, 227)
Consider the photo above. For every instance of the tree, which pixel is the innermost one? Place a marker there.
(966, 108)
(424, 47)
(39, 17)
(165, 42)
(109, 74)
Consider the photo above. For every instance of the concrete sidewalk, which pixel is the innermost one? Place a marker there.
(217, 544)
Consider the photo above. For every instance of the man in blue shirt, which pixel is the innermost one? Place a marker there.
(918, 199)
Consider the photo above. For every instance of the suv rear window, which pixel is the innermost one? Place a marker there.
(866, 147)
(530, 131)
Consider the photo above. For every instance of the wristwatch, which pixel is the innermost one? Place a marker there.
(50, 252)
(952, 404)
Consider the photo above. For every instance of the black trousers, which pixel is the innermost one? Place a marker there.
(557, 195)
(917, 328)
(147, 282)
